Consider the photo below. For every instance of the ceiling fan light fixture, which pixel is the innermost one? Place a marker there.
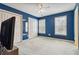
(42, 10)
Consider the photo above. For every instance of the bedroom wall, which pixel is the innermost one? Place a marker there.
(50, 29)
(50, 25)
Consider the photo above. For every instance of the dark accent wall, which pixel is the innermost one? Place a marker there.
(25, 16)
(50, 25)
(50, 29)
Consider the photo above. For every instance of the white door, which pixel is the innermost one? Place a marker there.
(18, 29)
(76, 27)
(33, 28)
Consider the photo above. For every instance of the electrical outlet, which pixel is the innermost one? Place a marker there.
(49, 34)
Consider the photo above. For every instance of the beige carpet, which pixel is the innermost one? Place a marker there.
(47, 46)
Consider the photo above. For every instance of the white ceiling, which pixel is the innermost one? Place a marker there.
(49, 8)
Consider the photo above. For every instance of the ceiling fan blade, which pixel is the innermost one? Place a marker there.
(40, 5)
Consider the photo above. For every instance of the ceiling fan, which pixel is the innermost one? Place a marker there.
(42, 7)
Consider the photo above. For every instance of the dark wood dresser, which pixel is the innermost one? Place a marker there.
(14, 51)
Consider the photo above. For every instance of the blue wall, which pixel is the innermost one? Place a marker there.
(50, 25)
(49, 22)
(25, 16)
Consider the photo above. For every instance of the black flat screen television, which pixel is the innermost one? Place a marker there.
(7, 33)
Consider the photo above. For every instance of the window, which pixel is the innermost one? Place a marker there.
(60, 25)
(42, 26)
(26, 26)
